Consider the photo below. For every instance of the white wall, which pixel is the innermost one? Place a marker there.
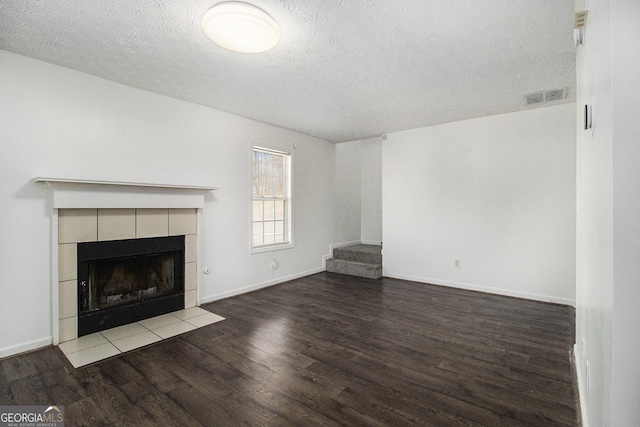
(347, 176)
(60, 123)
(625, 58)
(497, 193)
(359, 189)
(371, 191)
(594, 262)
(608, 247)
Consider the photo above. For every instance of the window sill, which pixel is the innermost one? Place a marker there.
(272, 248)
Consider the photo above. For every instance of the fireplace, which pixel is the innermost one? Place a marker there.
(124, 281)
(100, 211)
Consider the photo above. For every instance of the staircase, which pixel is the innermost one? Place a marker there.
(357, 260)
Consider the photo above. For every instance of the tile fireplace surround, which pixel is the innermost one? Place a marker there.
(90, 211)
(91, 225)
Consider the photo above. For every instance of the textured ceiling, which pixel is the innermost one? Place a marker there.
(344, 69)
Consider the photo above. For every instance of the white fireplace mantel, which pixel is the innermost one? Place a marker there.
(92, 194)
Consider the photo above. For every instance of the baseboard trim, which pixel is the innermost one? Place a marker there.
(334, 246)
(486, 289)
(24, 347)
(581, 386)
(273, 282)
(259, 286)
(371, 242)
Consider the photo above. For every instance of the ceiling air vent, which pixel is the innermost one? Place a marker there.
(546, 96)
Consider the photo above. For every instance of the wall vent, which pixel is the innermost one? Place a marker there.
(545, 96)
(580, 19)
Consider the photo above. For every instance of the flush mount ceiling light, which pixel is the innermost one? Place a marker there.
(241, 27)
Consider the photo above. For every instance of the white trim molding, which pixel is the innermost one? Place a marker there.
(25, 347)
(486, 289)
(334, 246)
(91, 194)
(582, 386)
(258, 286)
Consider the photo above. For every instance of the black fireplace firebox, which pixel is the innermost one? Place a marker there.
(124, 281)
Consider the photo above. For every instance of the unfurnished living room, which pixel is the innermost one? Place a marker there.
(319, 212)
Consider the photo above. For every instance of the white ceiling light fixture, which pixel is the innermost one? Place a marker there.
(241, 27)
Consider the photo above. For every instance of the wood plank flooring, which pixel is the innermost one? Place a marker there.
(328, 350)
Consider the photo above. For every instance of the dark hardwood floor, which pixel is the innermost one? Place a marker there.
(328, 350)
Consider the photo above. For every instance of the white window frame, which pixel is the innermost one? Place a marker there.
(288, 212)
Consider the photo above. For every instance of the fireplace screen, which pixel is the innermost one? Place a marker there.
(124, 281)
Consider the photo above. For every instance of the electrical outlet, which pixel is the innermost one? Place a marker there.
(456, 263)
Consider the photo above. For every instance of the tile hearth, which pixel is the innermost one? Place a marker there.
(102, 345)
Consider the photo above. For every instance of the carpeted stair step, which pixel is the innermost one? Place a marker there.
(370, 254)
(354, 268)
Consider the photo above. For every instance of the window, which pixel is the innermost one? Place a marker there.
(271, 217)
